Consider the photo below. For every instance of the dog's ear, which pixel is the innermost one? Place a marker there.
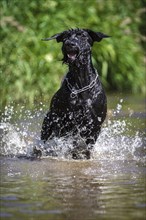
(59, 37)
(96, 36)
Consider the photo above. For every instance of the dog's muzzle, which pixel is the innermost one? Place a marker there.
(71, 50)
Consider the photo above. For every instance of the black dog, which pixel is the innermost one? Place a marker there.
(79, 107)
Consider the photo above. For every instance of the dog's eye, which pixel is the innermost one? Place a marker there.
(66, 37)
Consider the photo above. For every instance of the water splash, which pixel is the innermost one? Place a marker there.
(114, 144)
(20, 132)
(18, 137)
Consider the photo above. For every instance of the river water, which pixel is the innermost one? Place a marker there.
(111, 185)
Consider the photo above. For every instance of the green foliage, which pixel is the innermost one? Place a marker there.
(29, 67)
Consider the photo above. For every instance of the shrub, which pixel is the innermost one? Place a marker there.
(29, 67)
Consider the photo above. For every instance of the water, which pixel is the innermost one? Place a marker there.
(111, 185)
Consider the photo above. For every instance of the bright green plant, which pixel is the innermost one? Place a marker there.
(30, 68)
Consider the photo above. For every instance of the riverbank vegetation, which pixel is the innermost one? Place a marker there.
(32, 70)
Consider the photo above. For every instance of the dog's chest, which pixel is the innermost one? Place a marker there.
(81, 102)
(84, 99)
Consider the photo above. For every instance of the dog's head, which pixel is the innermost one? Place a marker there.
(76, 42)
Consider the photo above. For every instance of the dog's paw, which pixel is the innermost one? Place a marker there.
(80, 155)
(37, 152)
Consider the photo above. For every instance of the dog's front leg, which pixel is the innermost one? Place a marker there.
(46, 128)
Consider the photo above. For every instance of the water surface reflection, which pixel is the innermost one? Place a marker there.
(71, 190)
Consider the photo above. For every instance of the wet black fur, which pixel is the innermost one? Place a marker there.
(78, 115)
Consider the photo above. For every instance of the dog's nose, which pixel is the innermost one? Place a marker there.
(69, 43)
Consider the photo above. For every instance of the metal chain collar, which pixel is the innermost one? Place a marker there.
(74, 92)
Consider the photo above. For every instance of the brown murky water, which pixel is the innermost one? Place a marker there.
(112, 185)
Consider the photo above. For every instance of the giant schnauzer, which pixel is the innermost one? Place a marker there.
(79, 107)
